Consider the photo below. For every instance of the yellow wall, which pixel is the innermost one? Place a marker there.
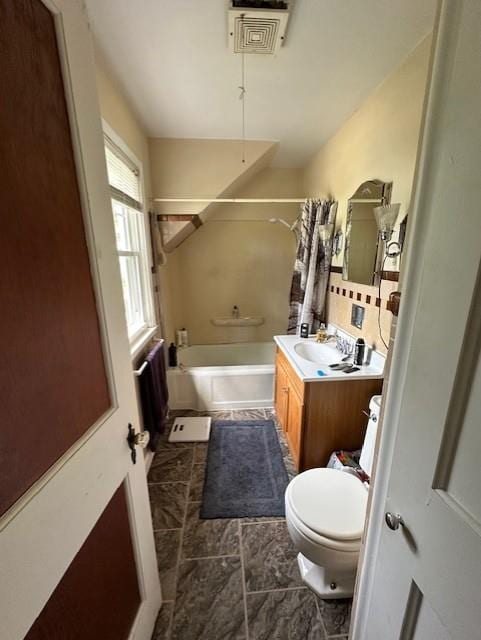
(379, 141)
(238, 258)
(196, 168)
(184, 168)
(116, 110)
(249, 263)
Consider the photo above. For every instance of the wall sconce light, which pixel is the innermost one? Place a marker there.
(337, 243)
(386, 216)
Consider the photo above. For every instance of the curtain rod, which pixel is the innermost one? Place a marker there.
(231, 200)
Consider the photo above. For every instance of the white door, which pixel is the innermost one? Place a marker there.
(44, 529)
(423, 580)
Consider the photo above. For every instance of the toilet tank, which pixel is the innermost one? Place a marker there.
(367, 452)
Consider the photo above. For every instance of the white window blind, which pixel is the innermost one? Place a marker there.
(124, 176)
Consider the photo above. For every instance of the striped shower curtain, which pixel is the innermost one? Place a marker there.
(311, 268)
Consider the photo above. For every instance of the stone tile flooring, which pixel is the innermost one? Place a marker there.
(228, 579)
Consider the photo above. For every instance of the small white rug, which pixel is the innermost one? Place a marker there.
(190, 430)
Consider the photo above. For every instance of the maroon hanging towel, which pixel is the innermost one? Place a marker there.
(154, 394)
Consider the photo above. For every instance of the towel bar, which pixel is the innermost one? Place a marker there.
(138, 372)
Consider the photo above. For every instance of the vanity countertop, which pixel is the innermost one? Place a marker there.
(307, 357)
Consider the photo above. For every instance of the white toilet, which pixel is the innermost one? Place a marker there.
(325, 513)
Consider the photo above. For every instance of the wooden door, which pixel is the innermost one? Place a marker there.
(70, 498)
(281, 395)
(421, 581)
(294, 424)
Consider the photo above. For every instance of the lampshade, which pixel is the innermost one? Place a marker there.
(325, 232)
(386, 217)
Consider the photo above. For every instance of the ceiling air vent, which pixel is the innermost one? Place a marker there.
(257, 27)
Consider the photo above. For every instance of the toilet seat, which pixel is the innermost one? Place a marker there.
(329, 507)
(317, 540)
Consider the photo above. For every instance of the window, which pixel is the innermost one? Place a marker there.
(124, 176)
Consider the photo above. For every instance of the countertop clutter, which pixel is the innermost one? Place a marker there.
(310, 360)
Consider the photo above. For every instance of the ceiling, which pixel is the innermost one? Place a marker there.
(172, 59)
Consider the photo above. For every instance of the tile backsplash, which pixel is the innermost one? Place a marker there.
(342, 294)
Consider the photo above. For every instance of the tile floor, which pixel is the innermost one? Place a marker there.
(228, 579)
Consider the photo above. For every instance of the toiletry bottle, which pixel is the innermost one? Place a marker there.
(304, 330)
(182, 338)
(321, 333)
(185, 337)
(172, 355)
(359, 352)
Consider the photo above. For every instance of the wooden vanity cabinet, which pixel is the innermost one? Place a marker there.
(294, 424)
(320, 417)
(281, 396)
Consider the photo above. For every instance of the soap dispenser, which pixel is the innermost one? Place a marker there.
(359, 350)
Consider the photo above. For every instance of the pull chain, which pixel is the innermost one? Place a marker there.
(242, 97)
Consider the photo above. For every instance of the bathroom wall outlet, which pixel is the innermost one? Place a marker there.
(357, 316)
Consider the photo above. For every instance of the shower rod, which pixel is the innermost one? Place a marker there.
(231, 200)
(211, 220)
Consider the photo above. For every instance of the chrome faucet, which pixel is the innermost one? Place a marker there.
(345, 345)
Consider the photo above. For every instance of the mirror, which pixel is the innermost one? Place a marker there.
(363, 248)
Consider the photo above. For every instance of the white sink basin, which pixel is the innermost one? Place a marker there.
(317, 352)
(310, 359)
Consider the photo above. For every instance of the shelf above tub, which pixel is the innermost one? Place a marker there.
(243, 321)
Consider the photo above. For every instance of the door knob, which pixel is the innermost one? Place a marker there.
(371, 416)
(140, 439)
(394, 521)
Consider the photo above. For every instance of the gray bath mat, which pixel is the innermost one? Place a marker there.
(245, 474)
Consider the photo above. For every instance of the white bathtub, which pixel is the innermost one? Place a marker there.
(223, 376)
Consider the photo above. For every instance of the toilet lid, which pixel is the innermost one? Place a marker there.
(330, 502)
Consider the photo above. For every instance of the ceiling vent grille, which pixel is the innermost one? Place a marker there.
(254, 30)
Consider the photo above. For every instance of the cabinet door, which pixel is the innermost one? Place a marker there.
(282, 396)
(294, 424)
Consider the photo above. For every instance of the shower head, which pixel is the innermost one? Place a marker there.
(291, 227)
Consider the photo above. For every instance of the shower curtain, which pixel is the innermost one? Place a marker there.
(311, 268)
